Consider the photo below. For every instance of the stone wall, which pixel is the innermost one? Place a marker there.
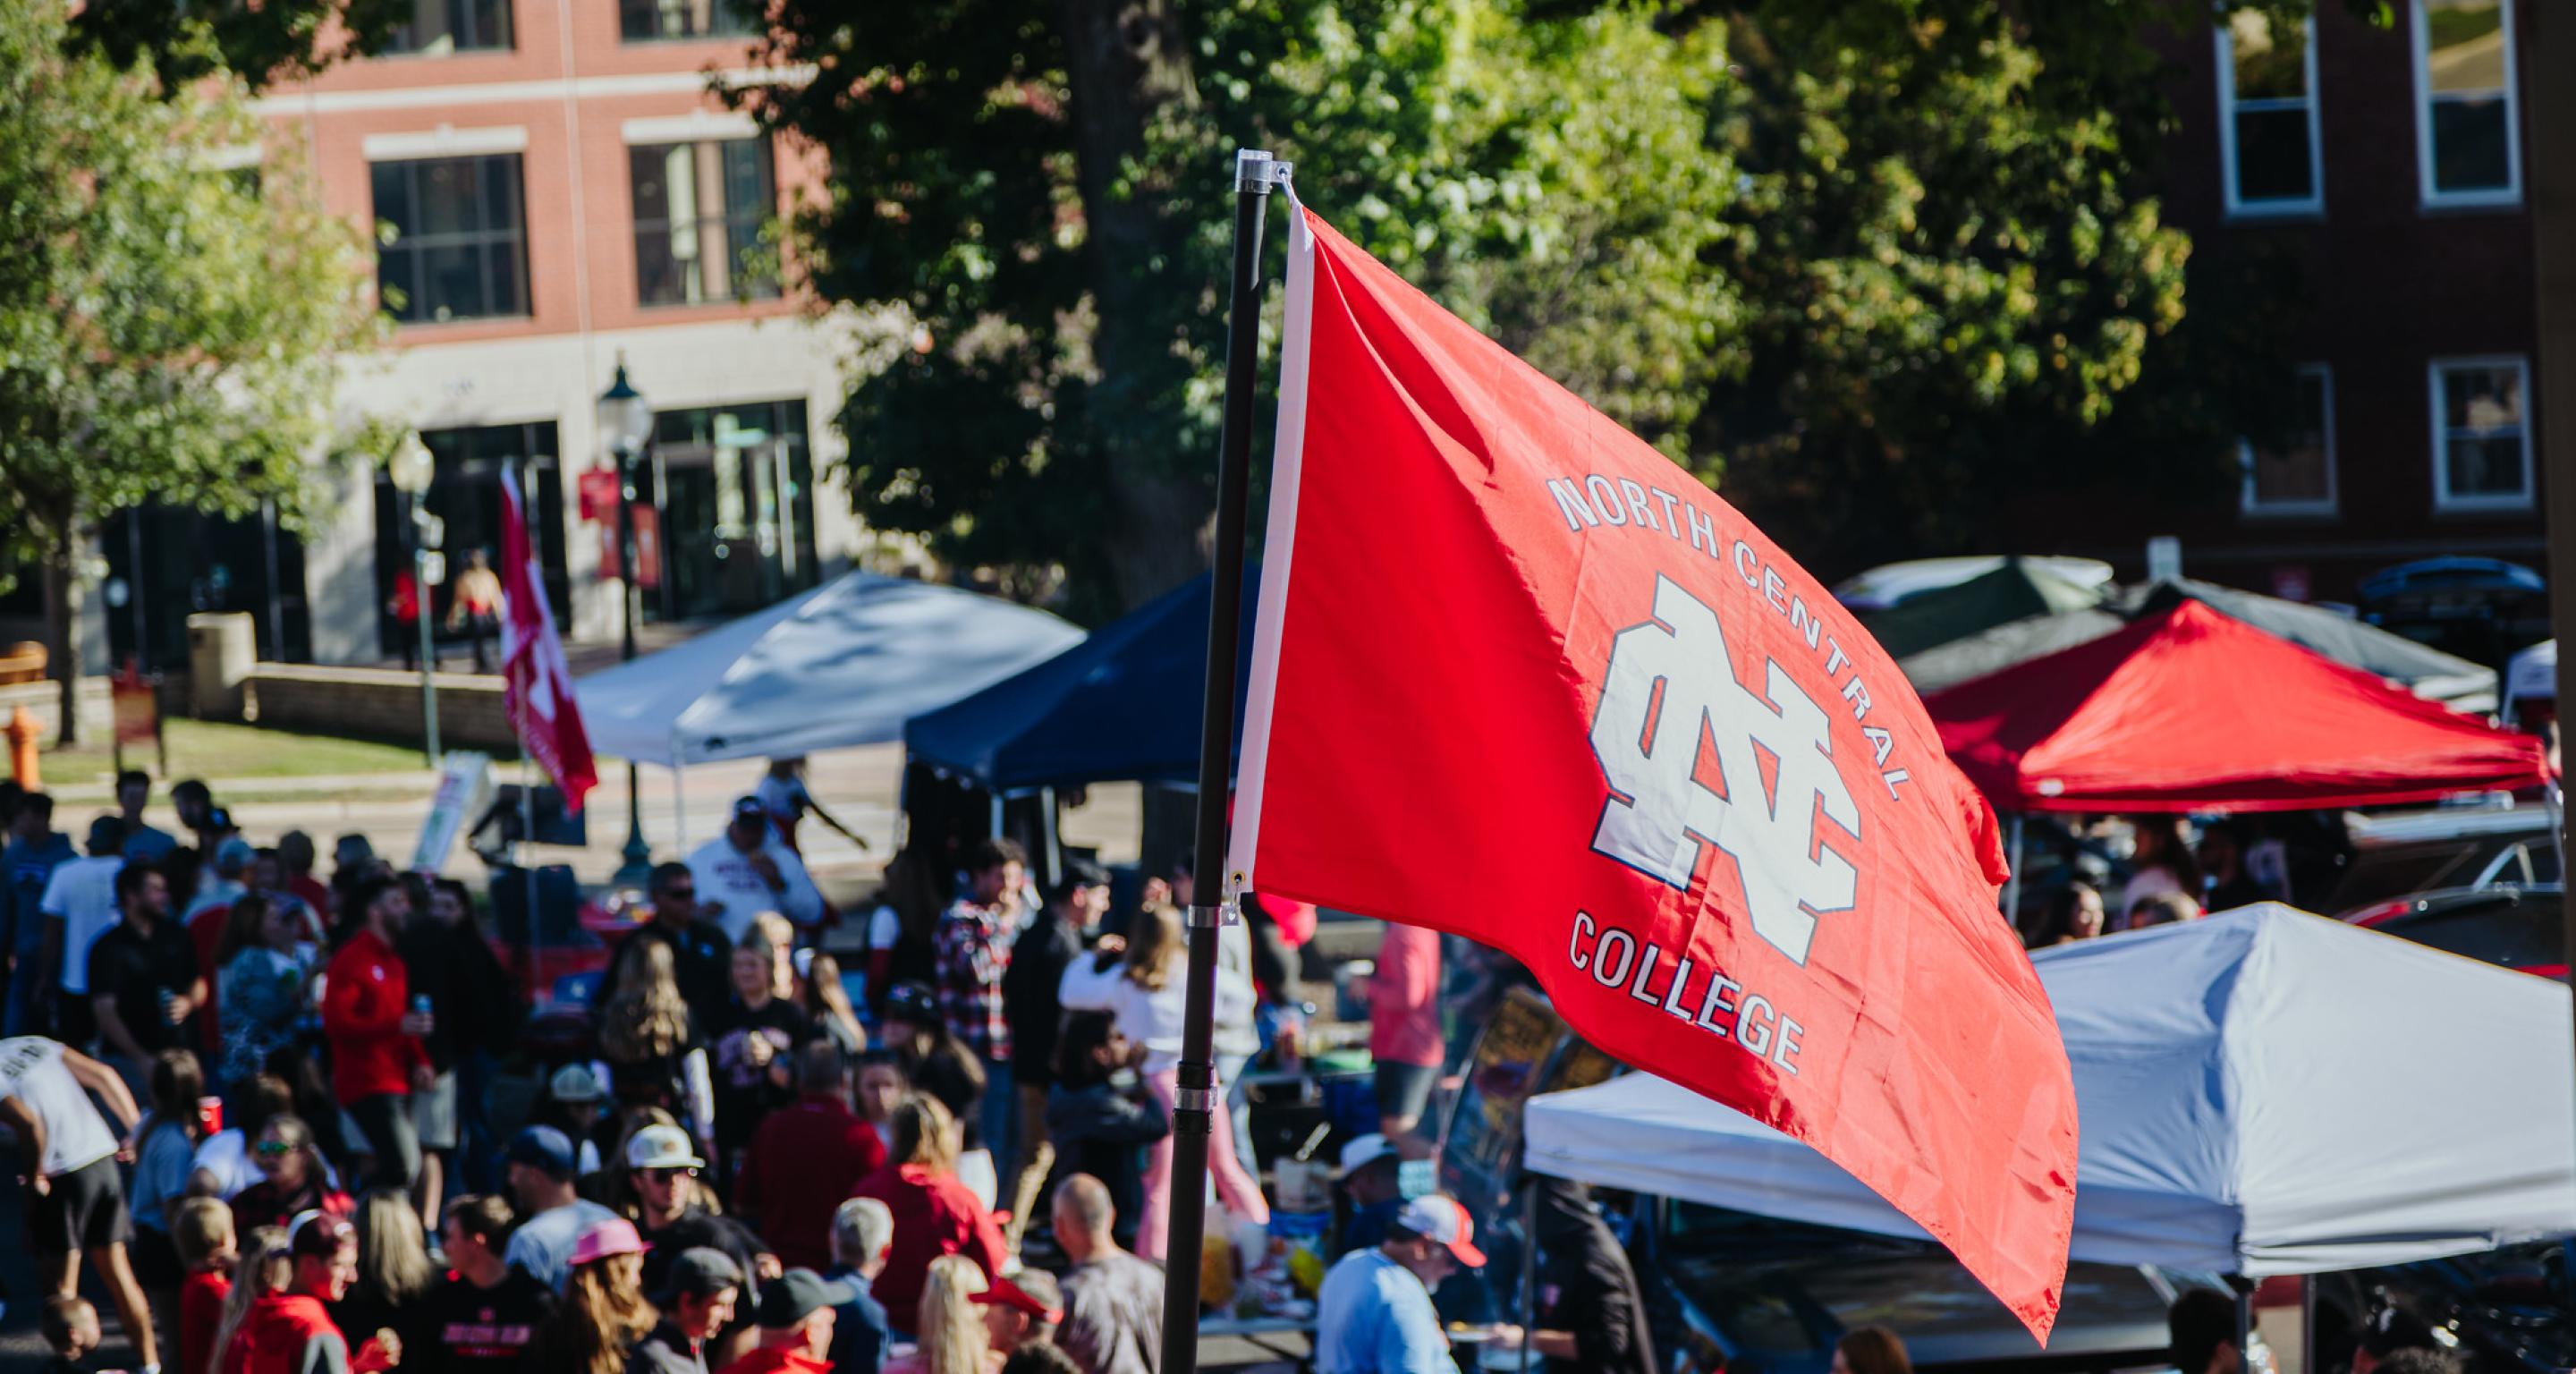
(377, 703)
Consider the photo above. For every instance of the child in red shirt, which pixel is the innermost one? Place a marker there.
(203, 1233)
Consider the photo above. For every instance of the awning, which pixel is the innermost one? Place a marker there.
(844, 664)
(2188, 709)
(2263, 1092)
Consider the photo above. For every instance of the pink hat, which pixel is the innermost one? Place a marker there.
(615, 1236)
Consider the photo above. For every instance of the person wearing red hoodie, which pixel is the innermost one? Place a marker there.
(291, 1332)
(806, 1160)
(934, 1213)
(797, 1312)
(377, 1060)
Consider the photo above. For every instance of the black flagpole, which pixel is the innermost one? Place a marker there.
(1197, 1099)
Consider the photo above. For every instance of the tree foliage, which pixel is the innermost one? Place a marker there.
(1960, 286)
(1044, 188)
(187, 40)
(168, 330)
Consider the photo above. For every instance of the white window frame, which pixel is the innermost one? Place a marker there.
(2443, 499)
(2253, 505)
(2511, 192)
(2313, 203)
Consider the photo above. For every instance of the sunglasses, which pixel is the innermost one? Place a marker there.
(273, 1148)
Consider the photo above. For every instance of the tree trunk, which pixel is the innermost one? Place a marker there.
(1125, 59)
(62, 623)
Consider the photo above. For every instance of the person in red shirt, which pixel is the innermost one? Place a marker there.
(806, 1160)
(292, 1332)
(204, 1237)
(797, 1314)
(377, 1060)
(934, 1213)
(1404, 1026)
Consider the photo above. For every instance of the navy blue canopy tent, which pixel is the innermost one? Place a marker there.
(1121, 706)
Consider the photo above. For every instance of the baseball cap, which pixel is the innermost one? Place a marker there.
(911, 1003)
(1438, 1216)
(1078, 872)
(1003, 1292)
(234, 855)
(701, 1273)
(605, 1240)
(661, 1147)
(544, 1147)
(785, 1302)
(1364, 1151)
(750, 809)
(576, 1083)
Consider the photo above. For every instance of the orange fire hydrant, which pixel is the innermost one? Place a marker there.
(22, 734)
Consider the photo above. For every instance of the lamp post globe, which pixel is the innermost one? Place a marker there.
(625, 428)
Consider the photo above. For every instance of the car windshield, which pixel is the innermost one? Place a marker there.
(2379, 874)
(2514, 929)
(1782, 1292)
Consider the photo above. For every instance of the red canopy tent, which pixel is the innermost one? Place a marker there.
(2192, 710)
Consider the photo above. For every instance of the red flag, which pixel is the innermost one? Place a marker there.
(539, 696)
(1519, 677)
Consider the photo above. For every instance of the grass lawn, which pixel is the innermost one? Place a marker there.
(212, 749)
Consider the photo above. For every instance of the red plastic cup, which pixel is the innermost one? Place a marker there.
(210, 1114)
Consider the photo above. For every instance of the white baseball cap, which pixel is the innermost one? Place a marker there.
(1440, 1217)
(1365, 1150)
(662, 1147)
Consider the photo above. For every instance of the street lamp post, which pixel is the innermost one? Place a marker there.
(626, 425)
(411, 469)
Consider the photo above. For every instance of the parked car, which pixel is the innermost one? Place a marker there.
(2446, 847)
(2508, 925)
(2507, 1310)
(1755, 1295)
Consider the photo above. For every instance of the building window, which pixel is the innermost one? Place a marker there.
(453, 239)
(2267, 115)
(465, 494)
(698, 212)
(436, 28)
(2468, 142)
(2481, 434)
(644, 21)
(2298, 477)
(737, 502)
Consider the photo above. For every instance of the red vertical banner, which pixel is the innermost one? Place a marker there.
(538, 682)
(1519, 677)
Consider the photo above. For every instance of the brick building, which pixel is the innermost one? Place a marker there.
(554, 186)
(2391, 166)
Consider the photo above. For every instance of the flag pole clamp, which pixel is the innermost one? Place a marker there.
(1258, 172)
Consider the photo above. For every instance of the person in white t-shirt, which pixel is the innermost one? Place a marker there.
(79, 905)
(747, 870)
(75, 1203)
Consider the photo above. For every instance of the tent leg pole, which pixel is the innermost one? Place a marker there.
(679, 811)
(997, 814)
(2012, 885)
(2244, 1325)
(1054, 840)
(1529, 1264)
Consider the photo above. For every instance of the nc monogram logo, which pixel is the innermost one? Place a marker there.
(1670, 685)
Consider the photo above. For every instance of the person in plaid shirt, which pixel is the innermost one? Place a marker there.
(971, 948)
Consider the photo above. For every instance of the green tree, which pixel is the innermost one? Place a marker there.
(186, 40)
(1043, 188)
(168, 331)
(1959, 284)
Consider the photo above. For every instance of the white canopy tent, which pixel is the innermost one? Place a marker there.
(2263, 1092)
(844, 664)
(2530, 675)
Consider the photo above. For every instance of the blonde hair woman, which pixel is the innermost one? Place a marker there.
(1145, 995)
(952, 1332)
(779, 934)
(934, 1213)
(651, 1041)
(603, 1313)
(265, 1267)
(393, 1264)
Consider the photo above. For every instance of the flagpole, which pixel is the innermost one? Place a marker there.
(1195, 1102)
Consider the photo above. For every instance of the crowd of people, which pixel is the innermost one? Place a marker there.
(262, 1108)
(2169, 879)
